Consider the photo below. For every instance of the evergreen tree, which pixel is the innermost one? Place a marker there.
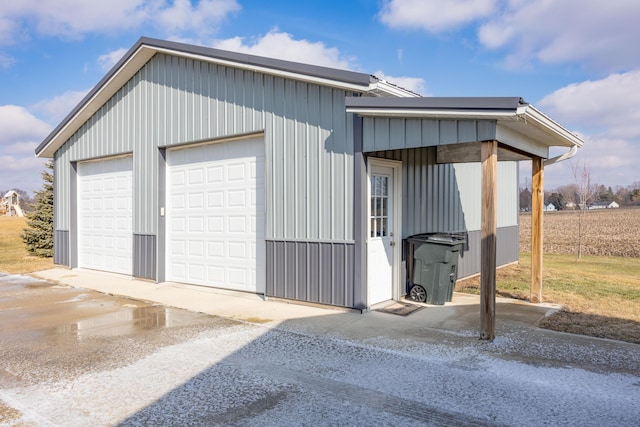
(38, 236)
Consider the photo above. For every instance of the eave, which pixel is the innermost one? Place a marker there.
(517, 123)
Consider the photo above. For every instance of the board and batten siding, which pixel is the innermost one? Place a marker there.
(446, 197)
(394, 133)
(174, 100)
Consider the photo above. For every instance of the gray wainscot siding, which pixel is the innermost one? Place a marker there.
(144, 256)
(61, 247)
(320, 272)
(173, 101)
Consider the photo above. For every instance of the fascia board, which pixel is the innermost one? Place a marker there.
(551, 127)
(434, 114)
(388, 89)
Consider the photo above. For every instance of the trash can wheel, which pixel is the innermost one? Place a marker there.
(417, 293)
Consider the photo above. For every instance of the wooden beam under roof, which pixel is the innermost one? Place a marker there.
(469, 152)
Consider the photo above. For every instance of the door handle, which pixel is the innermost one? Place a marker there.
(392, 243)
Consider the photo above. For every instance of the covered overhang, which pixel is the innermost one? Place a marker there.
(146, 48)
(485, 130)
(518, 126)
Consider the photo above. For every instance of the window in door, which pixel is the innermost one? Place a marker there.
(379, 206)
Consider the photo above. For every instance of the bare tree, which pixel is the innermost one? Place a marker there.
(570, 195)
(525, 196)
(584, 193)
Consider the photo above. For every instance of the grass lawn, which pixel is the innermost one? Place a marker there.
(600, 295)
(13, 255)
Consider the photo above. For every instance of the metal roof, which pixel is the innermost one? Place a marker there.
(145, 48)
(260, 61)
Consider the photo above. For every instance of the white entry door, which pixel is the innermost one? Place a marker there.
(383, 236)
(215, 215)
(105, 215)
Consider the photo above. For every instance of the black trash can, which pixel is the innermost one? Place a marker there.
(434, 268)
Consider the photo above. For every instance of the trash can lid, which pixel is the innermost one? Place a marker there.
(440, 237)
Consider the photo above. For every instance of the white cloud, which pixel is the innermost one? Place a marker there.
(414, 84)
(602, 34)
(20, 125)
(21, 133)
(75, 18)
(110, 59)
(201, 19)
(434, 15)
(280, 45)
(55, 109)
(606, 113)
(610, 103)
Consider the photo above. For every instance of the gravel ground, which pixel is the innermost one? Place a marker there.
(180, 368)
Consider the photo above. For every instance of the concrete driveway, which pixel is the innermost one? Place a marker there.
(73, 356)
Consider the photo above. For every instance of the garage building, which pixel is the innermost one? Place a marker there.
(195, 165)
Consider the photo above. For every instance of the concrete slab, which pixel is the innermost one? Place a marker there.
(220, 302)
(460, 316)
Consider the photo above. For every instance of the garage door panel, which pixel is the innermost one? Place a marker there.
(105, 217)
(215, 174)
(222, 214)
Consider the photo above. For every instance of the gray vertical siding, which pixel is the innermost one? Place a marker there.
(144, 256)
(508, 251)
(173, 100)
(446, 197)
(61, 247)
(383, 133)
(62, 186)
(320, 272)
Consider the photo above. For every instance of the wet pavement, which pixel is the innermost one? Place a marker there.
(75, 357)
(50, 332)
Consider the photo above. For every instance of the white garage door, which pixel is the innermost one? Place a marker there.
(215, 215)
(105, 198)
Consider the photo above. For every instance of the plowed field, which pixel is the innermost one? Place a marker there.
(606, 232)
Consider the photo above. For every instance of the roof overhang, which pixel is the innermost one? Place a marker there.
(146, 48)
(518, 124)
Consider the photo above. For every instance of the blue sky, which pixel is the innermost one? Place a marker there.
(576, 60)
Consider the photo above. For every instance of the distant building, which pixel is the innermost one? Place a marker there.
(604, 205)
(550, 207)
(10, 204)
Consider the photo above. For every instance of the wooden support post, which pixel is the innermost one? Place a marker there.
(489, 157)
(537, 218)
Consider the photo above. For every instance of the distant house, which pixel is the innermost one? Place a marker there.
(550, 207)
(604, 205)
